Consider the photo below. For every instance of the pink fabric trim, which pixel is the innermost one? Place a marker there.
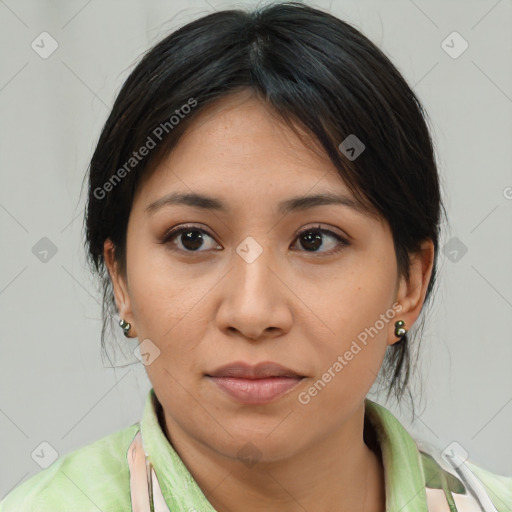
(143, 479)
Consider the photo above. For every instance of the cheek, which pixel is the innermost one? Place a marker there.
(358, 315)
(160, 293)
(353, 298)
(348, 363)
(168, 304)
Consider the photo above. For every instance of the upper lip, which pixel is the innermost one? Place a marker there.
(242, 370)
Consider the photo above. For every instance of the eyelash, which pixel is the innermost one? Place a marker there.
(173, 233)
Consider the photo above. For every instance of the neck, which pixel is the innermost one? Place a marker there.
(339, 472)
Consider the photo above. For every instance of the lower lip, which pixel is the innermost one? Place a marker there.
(256, 391)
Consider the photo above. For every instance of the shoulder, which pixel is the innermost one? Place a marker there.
(498, 487)
(95, 476)
(462, 483)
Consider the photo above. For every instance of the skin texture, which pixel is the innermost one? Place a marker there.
(297, 306)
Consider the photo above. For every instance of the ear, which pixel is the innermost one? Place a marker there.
(411, 293)
(119, 285)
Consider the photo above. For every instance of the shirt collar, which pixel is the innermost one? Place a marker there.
(404, 477)
(403, 470)
(180, 490)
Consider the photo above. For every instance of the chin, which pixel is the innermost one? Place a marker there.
(252, 447)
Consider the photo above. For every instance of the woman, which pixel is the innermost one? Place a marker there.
(264, 212)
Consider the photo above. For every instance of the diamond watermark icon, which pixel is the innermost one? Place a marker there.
(455, 249)
(44, 45)
(454, 45)
(455, 454)
(351, 147)
(249, 249)
(146, 352)
(44, 250)
(44, 454)
(249, 454)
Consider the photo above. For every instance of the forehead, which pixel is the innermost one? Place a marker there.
(239, 148)
(242, 132)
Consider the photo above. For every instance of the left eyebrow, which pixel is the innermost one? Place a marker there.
(298, 203)
(301, 203)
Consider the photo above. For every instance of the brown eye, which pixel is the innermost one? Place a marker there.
(189, 239)
(313, 239)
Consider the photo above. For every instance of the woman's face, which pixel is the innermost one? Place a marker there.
(311, 286)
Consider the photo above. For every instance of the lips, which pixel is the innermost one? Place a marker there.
(259, 384)
(263, 370)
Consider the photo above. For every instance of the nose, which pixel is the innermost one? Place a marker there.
(256, 301)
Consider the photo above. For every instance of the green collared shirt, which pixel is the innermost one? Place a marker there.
(97, 476)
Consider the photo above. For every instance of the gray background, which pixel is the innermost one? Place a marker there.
(54, 385)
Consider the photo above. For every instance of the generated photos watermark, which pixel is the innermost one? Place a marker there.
(151, 142)
(304, 397)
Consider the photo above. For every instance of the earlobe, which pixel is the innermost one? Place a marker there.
(119, 286)
(411, 292)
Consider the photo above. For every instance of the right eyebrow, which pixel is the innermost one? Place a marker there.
(188, 199)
